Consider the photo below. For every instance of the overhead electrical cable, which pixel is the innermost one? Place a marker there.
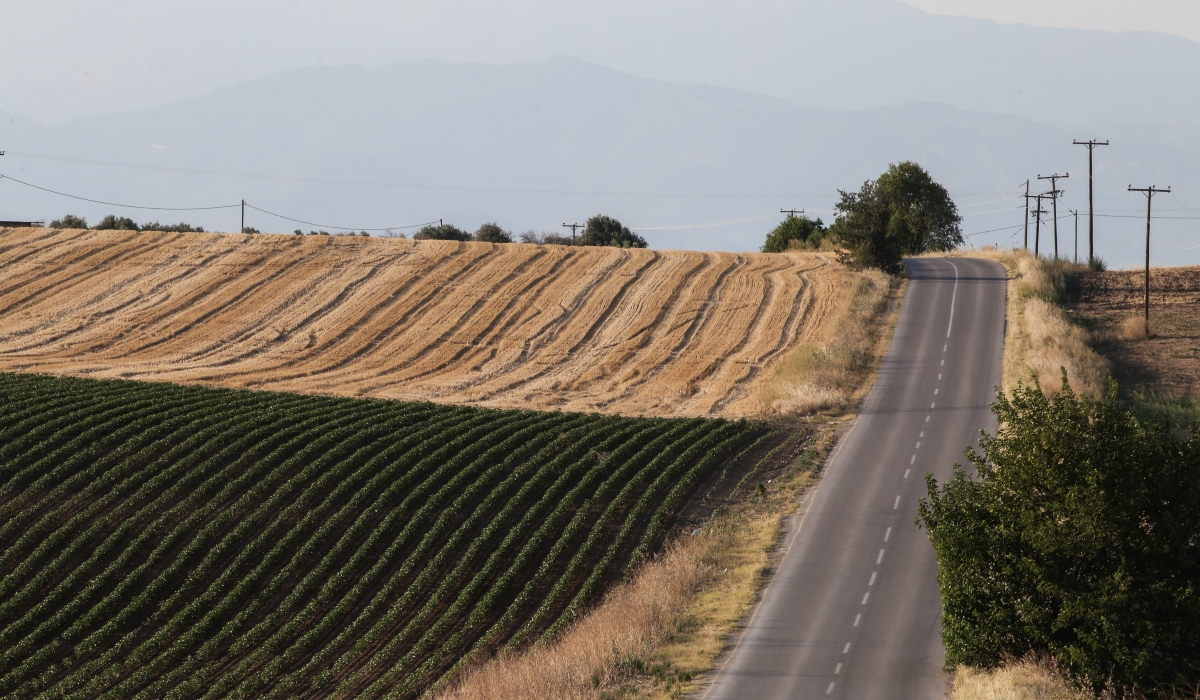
(346, 228)
(114, 204)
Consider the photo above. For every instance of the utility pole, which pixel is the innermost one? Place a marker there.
(1076, 213)
(1149, 192)
(573, 227)
(789, 212)
(1091, 145)
(1027, 215)
(243, 228)
(1037, 231)
(1054, 195)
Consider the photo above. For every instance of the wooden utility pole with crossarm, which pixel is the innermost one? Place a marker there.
(1091, 146)
(1149, 192)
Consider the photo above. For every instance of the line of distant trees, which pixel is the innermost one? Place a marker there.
(600, 230)
(122, 223)
(903, 212)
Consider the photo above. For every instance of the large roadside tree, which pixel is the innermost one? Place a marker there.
(1079, 537)
(442, 232)
(793, 232)
(904, 212)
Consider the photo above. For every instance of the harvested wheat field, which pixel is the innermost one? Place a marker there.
(1110, 305)
(640, 332)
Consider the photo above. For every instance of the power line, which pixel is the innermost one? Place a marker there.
(346, 228)
(1149, 192)
(1054, 195)
(1091, 146)
(114, 204)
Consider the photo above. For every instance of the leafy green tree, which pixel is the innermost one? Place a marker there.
(117, 223)
(492, 233)
(1080, 537)
(604, 230)
(904, 212)
(69, 221)
(794, 231)
(442, 232)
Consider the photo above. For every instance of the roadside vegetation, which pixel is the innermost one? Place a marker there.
(1078, 537)
(901, 213)
(1076, 546)
(160, 540)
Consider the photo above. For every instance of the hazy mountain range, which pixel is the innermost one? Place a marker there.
(536, 144)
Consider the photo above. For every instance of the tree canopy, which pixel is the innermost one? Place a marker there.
(794, 231)
(604, 230)
(442, 232)
(903, 212)
(493, 233)
(1080, 537)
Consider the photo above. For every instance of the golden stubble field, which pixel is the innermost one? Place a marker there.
(662, 333)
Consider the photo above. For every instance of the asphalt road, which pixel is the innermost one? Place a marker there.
(852, 611)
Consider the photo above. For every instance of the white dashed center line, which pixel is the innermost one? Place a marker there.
(922, 434)
(913, 460)
(879, 558)
(939, 376)
(829, 690)
(857, 619)
(837, 670)
(847, 649)
(897, 504)
(906, 471)
(872, 581)
(865, 597)
(918, 445)
(887, 534)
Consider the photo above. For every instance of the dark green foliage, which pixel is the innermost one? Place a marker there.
(604, 230)
(1080, 538)
(167, 541)
(442, 232)
(1097, 264)
(69, 221)
(172, 228)
(904, 212)
(492, 233)
(794, 232)
(250, 229)
(117, 223)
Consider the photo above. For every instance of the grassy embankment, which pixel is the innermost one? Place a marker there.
(654, 636)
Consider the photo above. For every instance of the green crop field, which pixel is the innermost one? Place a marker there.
(168, 541)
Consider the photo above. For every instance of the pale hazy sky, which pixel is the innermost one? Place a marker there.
(66, 58)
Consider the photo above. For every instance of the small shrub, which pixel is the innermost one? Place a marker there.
(250, 229)
(117, 223)
(492, 233)
(69, 221)
(1096, 264)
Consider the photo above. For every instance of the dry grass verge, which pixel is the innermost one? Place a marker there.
(653, 636)
(827, 372)
(1041, 340)
(1026, 680)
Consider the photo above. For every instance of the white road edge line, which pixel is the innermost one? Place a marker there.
(953, 298)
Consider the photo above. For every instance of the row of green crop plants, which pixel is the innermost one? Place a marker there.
(166, 541)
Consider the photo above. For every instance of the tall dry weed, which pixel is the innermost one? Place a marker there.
(1134, 328)
(828, 373)
(1025, 680)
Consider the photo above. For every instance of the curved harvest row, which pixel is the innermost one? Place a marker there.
(168, 541)
(664, 333)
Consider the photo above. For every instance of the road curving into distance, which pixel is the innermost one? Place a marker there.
(853, 609)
